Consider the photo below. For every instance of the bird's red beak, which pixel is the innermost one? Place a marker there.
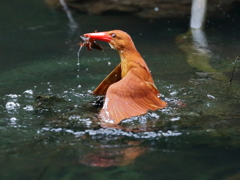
(101, 36)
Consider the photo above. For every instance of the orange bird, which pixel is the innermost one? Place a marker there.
(129, 88)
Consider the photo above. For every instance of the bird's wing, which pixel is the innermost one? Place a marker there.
(129, 97)
(113, 77)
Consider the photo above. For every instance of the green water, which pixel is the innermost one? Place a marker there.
(49, 128)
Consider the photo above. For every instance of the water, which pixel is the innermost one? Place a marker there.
(49, 127)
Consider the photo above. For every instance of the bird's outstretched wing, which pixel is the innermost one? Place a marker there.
(113, 77)
(129, 97)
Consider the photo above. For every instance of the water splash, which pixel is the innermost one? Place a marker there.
(112, 132)
(78, 60)
(106, 117)
(28, 108)
(78, 54)
(12, 106)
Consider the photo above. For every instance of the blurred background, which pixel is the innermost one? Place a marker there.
(49, 128)
(146, 9)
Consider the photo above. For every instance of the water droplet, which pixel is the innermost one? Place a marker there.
(12, 105)
(173, 93)
(13, 96)
(28, 91)
(175, 119)
(28, 108)
(156, 9)
(79, 86)
(210, 96)
(13, 119)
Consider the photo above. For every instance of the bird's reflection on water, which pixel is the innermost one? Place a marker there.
(110, 153)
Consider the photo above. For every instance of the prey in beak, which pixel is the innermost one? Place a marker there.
(90, 43)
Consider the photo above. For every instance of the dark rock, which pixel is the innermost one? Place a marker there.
(144, 8)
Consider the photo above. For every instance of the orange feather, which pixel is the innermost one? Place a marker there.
(113, 77)
(129, 97)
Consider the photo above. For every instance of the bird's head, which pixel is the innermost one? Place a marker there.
(117, 39)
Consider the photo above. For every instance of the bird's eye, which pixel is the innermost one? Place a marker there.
(114, 35)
